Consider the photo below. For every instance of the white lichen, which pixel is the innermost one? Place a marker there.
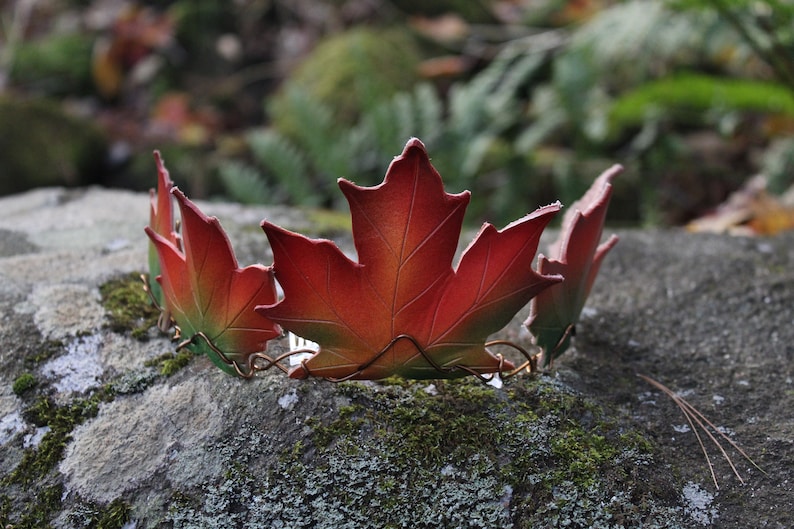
(288, 400)
(79, 369)
(10, 426)
(697, 504)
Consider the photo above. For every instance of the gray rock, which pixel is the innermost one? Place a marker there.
(101, 436)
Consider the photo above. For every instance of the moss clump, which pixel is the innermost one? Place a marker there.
(23, 383)
(129, 307)
(35, 514)
(351, 71)
(45, 351)
(111, 516)
(170, 363)
(35, 498)
(61, 420)
(586, 453)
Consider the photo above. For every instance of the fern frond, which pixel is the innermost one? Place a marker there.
(428, 112)
(244, 183)
(328, 149)
(389, 125)
(686, 97)
(285, 163)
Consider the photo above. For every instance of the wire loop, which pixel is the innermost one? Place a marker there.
(261, 361)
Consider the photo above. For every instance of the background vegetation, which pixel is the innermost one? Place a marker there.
(521, 101)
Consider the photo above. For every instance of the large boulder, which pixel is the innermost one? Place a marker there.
(100, 426)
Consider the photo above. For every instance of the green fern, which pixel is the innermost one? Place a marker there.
(327, 147)
(390, 124)
(244, 183)
(303, 161)
(285, 163)
(631, 42)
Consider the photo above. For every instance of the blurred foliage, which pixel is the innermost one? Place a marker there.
(466, 140)
(778, 165)
(472, 10)
(633, 83)
(767, 27)
(689, 98)
(520, 101)
(350, 71)
(56, 65)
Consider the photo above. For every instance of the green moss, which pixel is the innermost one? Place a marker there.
(46, 351)
(541, 439)
(129, 307)
(23, 383)
(39, 461)
(348, 422)
(351, 71)
(111, 516)
(35, 514)
(170, 363)
(584, 453)
(35, 499)
(450, 453)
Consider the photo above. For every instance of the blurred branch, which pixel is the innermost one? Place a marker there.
(15, 29)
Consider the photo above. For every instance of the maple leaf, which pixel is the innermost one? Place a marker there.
(161, 221)
(578, 257)
(402, 309)
(211, 299)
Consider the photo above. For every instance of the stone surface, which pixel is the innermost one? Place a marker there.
(587, 444)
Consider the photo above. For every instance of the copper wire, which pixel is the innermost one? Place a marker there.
(261, 361)
(530, 365)
(164, 320)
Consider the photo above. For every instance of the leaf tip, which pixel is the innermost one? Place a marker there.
(416, 143)
(414, 146)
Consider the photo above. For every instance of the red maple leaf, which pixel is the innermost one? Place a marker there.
(402, 309)
(577, 257)
(161, 221)
(211, 299)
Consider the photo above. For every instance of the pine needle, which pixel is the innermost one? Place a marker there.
(695, 418)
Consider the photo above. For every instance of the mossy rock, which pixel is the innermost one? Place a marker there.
(448, 454)
(471, 11)
(350, 72)
(56, 65)
(128, 305)
(43, 145)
